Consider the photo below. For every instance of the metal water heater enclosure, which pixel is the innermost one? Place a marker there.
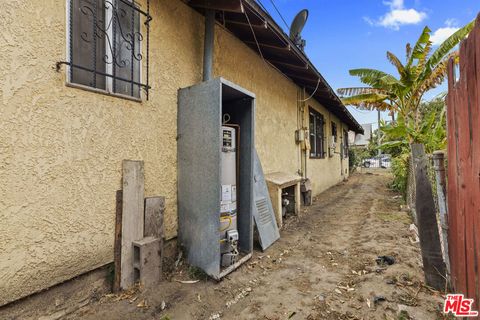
(215, 175)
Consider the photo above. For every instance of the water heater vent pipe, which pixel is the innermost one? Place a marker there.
(208, 44)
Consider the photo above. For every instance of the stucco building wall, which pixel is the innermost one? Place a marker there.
(276, 105)
(61, 148)
(277, 114)
(327, 172)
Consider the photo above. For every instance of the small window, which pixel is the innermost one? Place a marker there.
(105, 50)
(345, 144)
(334, 132)
(317, 136)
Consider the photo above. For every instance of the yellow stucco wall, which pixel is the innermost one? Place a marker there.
(326, 172)
(276, 105)
(61, 148)
(276, 114)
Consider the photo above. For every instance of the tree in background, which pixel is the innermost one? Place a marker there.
(417, 121)
(429, 129)
(422, 71)
(432, 133)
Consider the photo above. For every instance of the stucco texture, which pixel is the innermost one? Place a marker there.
(61, 148)
(276, 114)
(328, 171)
(276, 105)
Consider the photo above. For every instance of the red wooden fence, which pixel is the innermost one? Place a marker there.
(463, 187)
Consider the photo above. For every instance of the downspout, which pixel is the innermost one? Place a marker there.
(341, 140)
(301, 131)
(299, 128)
(307, 136)
(208, 44)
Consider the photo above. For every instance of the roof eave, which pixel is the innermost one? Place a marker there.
(300, 69)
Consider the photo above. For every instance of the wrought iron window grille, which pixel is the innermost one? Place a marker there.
(114, 54)
(317, 134)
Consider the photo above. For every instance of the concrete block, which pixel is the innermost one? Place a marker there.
(147, 261)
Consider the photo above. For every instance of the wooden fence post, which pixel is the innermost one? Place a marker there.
(433, 264)
(411, 190)
(439, 166)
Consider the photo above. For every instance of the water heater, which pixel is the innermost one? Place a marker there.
(228, 201)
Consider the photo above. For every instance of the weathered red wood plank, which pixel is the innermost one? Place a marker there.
(463, 122)
(452, 172)
(463, 150)
(475, 122)
(467, 55)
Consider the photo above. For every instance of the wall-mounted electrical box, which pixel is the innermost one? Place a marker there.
(215, 175)
(299, 135)
(332, 146)
(333, 143)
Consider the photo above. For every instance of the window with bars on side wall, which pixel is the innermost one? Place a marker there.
(108, 44)
(317, 134)
(345, 144)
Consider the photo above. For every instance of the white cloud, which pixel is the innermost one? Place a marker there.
(397, 16)
(451, 22)
(441, 34)
(369, 21)
(394, 4)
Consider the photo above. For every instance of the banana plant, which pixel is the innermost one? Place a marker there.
(430, 132)
(402, 94)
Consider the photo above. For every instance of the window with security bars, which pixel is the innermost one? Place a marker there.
(317, 134)
(345, 144)
(106, 45)
(334, 131)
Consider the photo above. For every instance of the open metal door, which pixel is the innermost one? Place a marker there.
(263, 214)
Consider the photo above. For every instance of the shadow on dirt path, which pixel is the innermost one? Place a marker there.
(323, 267)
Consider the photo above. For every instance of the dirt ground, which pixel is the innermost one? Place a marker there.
(323, 267)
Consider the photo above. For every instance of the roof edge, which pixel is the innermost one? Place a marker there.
(270, 21)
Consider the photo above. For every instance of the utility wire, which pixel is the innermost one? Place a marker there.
(260, 50)
(313, 93)
(253, 33)
(278, 11)
(261, 5)
(255, 37)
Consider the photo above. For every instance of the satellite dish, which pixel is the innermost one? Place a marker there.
(297, 27)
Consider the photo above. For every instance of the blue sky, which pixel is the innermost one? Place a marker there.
(347, 34)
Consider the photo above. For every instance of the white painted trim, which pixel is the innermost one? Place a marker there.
(101, 91)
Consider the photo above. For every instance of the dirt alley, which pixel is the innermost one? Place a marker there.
(323, 267)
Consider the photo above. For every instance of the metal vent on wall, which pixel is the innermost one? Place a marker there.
(263, 214)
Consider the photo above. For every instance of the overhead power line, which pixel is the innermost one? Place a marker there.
(278, 12)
